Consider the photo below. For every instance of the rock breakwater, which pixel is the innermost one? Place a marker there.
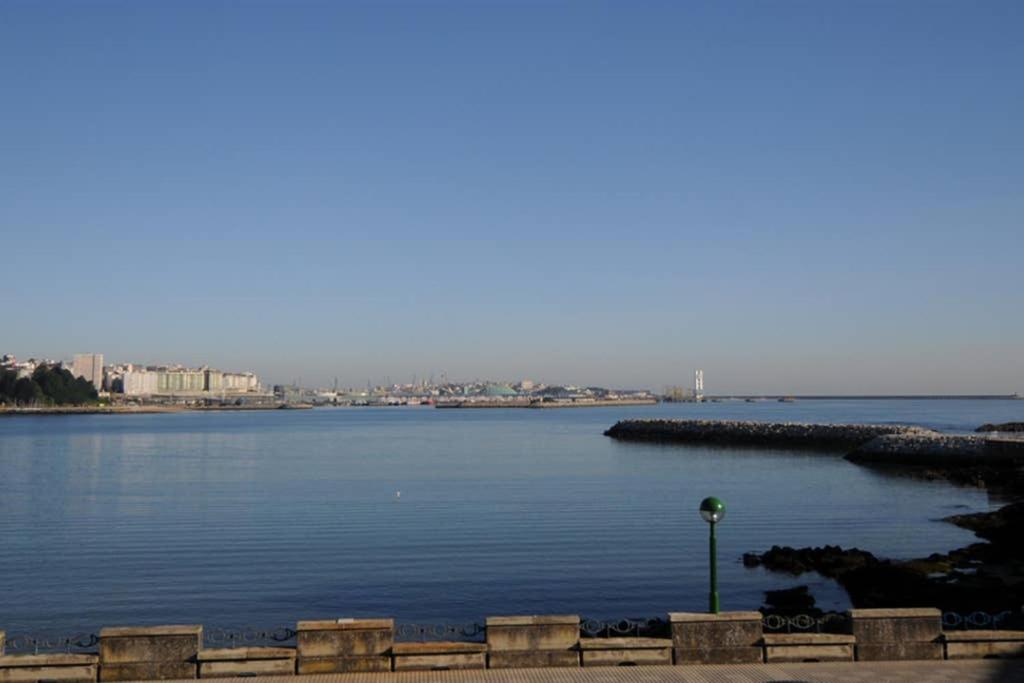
(940, 450)
(1004, 427)
(735, 432)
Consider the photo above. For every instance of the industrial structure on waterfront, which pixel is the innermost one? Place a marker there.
(678, 394)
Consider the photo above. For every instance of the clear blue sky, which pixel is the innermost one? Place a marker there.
(794, 196)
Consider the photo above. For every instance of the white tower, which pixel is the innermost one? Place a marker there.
(698, 385)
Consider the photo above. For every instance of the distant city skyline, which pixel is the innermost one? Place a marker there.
(806, 198)
(685, 381)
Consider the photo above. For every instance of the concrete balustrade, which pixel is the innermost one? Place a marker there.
(808, 647)
(345, 645)
(725, 638)
(246, 661)
(625, 651)
(983, 644)
(149, 652)
(367, 645)
(897, 634)
(439, 656)
(533, 641)
(71, 668)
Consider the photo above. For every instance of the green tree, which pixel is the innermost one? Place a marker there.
(27, 392)
(8, 378)
(59, 387)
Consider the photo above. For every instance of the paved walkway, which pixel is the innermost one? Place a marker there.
(968, 671)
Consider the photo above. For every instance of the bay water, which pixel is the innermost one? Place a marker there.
(264, 518)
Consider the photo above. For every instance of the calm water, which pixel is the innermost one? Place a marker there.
(264, 518)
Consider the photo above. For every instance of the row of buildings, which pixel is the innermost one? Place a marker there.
(465, 393)
(150, 380)
(145, 381)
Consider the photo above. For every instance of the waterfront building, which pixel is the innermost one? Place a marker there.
(89, 366)
(182, 381)
(498, 391)
(239, 382)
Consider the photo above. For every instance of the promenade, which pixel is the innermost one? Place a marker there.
(967, 671)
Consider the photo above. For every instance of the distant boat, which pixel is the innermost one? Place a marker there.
(787, 399)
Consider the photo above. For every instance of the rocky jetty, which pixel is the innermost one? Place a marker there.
(1016, 427)
(940, 451)
(781, 434)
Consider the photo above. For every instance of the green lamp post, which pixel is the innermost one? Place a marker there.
(712, 510)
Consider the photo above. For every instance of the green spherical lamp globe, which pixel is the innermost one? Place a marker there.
(712, 510)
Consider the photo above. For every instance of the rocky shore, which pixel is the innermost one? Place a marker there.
(782, 434)
(982, 576)
(988, 575)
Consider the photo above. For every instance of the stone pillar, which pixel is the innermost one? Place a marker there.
(3, 640)
(724, 638)
(345, 645)
(535, 641)
(149, 653)
(886, 634)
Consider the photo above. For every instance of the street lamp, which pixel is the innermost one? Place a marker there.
(712, 511)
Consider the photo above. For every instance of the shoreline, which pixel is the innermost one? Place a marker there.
(544, 405)
(141, 410)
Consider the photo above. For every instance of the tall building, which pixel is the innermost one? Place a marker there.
(89, 366)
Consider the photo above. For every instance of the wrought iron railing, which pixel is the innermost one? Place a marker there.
(33, 645)
(837, 622)
(954, 621)
(247, 636)
(828, 622)
(621, 628)
(469, 631)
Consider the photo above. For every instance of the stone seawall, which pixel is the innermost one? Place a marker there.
(734, 432)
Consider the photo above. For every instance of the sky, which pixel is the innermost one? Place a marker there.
(796, 197)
